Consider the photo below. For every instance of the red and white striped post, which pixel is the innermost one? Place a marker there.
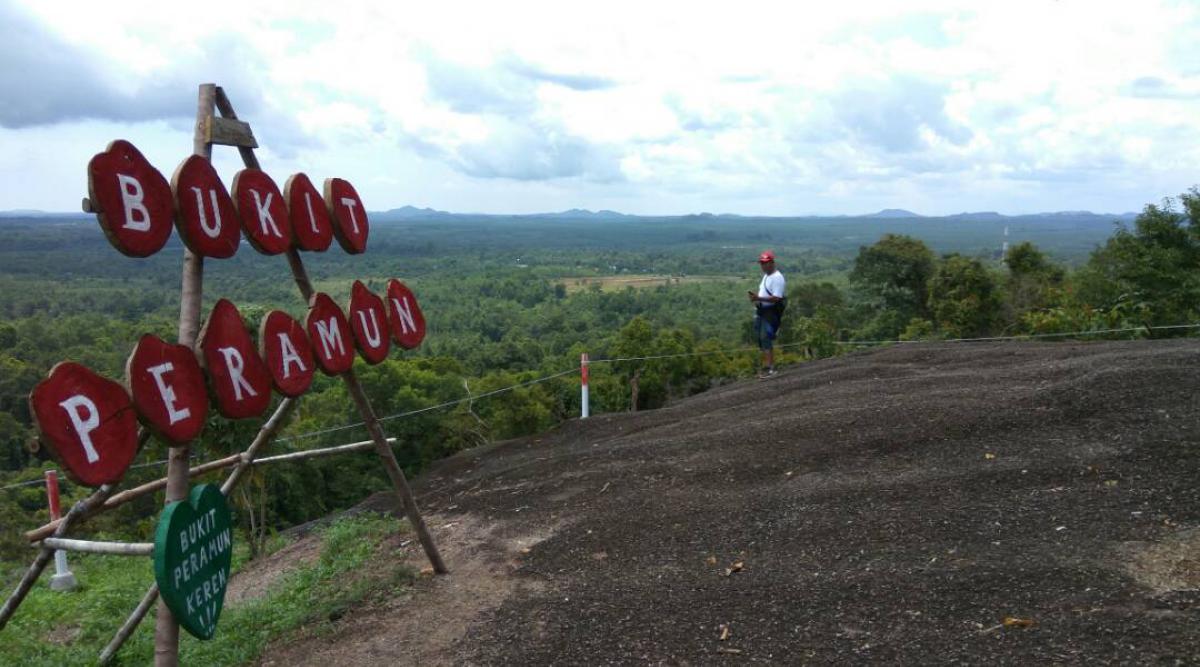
(583, 373)
(63, 579)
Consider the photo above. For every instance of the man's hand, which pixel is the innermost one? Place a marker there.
(752, 295)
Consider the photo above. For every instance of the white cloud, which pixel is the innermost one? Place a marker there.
(647, 107)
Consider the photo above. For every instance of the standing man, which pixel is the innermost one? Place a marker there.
(768, 303)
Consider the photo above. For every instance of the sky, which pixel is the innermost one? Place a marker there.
(654, 108)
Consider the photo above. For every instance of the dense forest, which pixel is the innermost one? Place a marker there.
(509, 300)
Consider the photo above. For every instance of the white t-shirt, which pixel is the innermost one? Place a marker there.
(771, 285)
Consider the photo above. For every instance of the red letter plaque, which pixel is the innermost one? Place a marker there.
(368, 319)
(349, 217)
(311, 228)
(132, 199)
(404, 315)
(263, 212)
(168, 388)
(333, 344)
(207, 221)
(238, 375)
(87, 423)
(287, 351)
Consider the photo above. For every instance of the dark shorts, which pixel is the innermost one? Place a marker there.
(766, 326)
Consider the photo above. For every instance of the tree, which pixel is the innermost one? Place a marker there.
(13, 453)
(1152, 268)
(806, 298)
(895, 272)
(1032, 283)
(963, 297)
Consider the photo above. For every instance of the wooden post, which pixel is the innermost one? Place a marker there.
(268, 431)
(129, 626)
(403, 492)
(394, 472)
(264, 436)
(127, 495)
(166, 632)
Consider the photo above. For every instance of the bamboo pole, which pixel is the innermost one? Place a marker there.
(403, 492)
(265, 434)
(127, 495)
(247, 457)
(392, 467)
(381, 444)
(130, 625)
(118, 499)
(268, 430)
(80, 509)
(166, 634)
(318, 453)
(92, 547)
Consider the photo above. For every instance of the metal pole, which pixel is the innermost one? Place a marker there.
(583, 387)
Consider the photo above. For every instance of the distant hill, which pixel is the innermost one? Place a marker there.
(34, 213)
(582, 214)
(892, 213)
(979, 216)
(407, 213)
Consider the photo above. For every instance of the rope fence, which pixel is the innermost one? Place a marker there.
(725, 351)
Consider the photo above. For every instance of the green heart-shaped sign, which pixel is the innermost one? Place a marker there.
(193, 547)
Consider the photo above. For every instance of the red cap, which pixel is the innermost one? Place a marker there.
(767, 256)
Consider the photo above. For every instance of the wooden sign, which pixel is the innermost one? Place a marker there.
(332, 341)
(168, 389)
(87, 423)
(404, 315)
(263, 212)
(368, 319)
(311, 227)
(207, 221)
(349, 217)
(131, 198)
(288, 353)
(193, 550)
(238, 377)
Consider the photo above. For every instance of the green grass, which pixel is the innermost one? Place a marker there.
(112, 587)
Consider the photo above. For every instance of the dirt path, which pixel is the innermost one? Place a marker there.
(896, 505)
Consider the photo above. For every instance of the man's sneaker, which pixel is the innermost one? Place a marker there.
(764, 375)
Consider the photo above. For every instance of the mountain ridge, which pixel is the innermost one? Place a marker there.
(409, 212)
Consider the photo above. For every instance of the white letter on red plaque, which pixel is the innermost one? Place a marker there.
(132, 200)
(349, 217)
(333, 344)
(404, 315)
(168, 389)
(263, 212)
(238, 375)
(311, 229)
(207, 221)
(288, 353)
(87, 423)
(368, 319)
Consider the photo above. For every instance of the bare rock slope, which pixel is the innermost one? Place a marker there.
(926, 503)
